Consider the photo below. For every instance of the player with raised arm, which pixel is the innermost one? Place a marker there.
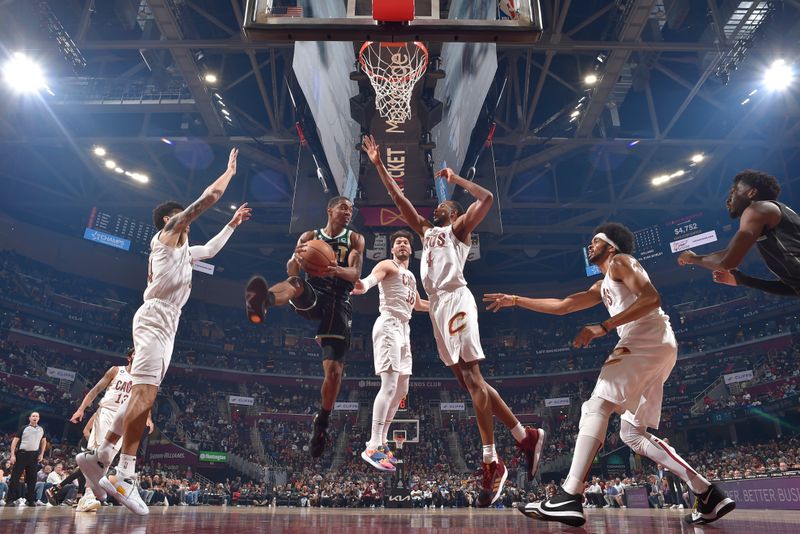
(155, 324)
(117, 383)
(763, 221)
(454, 315)
(323, 297)
(391, 341)
(631, 381)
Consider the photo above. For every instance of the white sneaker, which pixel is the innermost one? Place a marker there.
(40, 503)
(166, 502)
(88, 505)
(94, 470)
(126, 491)
(2, 502)
(21, 502)
(680, 507)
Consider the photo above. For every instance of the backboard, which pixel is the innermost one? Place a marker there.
(514, 21)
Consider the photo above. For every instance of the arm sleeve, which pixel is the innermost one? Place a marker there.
(775, 287)
(214, 245)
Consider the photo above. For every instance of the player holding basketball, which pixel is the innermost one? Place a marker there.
(391, 343)
(454, 314)
(323, 297)
(169, 283)
(631, 381)
(117, 383)
(763, 221)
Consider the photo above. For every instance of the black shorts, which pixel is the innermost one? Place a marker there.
(334, 313)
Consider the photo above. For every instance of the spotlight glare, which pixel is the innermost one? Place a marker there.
(633, 143)
(660, 180)
(111, 164)
(778, 76)
(141, 178)
(23, 75)
(233, 207)
(590, 79)
(697, 158)
(119, 170)
(575, 113)
(225, 112)
(165, 140)
(99, 151)
(745, 101)
(210, 78)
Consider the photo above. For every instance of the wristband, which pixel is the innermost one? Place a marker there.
(514, 300)
(603, 326)
(369, 282)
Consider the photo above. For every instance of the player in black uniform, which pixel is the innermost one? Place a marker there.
(319, 298)
(771, 225)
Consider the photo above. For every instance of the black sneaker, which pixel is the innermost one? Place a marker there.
(709, 506)
(561, 507)
(51, 496)
(319, 435)
(256, 299)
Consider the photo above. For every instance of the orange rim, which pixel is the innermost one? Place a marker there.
(415, 75)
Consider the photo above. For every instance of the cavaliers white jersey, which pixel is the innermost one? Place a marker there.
(169, 273)
(118, 390)
(443, 259)
(618, 298)
(398, 293)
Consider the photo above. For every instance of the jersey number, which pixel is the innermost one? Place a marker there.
(342, 255)
(121, 398)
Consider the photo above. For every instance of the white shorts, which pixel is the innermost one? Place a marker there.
(154, 327)
(391, 345)
(454, 315)
(633, 377)
(102, 424)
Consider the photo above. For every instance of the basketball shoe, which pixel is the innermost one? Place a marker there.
(709, 506)
(389, 453)
(378, 459)
(319, 434)
(493, 479)
(257, 299)
(126, 491)
(88, 504)
(532, 447)
(94, 470)
(561, 507)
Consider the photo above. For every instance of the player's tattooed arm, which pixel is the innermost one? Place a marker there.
(294, 263)
(571, 304)
(102, 384)
(355, 260)
(626, 269)
(178, 223)
(410, 214)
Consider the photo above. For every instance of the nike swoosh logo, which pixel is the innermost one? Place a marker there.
(705, 501)
(556, 505)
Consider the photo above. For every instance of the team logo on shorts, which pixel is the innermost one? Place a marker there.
(457, 323)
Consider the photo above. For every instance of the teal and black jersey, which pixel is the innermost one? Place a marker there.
(333, 286)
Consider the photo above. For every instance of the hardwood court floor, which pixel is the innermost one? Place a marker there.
(117, 520)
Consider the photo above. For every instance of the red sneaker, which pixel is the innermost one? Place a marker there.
(532, 447)
(493, 479)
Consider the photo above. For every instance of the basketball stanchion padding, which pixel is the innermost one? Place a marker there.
(393, 10)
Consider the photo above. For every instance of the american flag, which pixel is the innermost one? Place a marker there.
(279, 11)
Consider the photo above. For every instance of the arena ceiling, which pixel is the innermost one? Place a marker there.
(673, 78)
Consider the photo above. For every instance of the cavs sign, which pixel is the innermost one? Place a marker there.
(388, 216)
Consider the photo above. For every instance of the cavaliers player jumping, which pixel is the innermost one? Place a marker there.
(454, 315)
(763, 221)
(391, 341)
(155, 324)
(631, 381)
(325, 299)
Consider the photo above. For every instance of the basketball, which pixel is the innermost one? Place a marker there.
(317, 257)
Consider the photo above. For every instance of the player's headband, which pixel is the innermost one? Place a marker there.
(603, 237)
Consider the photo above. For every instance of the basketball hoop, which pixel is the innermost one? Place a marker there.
(399, 440)
(393, 70)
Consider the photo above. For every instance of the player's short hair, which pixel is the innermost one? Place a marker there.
(456, 206)
(766, 185)
(402, 233)
(162, 210)
(129, 353)
(335, 200)
(619, 234)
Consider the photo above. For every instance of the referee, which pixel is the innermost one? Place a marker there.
(31, 442)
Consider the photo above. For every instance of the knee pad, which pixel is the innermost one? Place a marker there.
(594, 418)
(633, 437)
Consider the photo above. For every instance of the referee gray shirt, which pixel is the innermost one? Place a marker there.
(30, 438)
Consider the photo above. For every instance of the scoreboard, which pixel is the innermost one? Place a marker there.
(673, 236)
(119, 231)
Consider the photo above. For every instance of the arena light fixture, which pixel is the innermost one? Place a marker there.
(590, 79)
(99, 151)
(139, 177)
(119, 170)
(575, 113)
(166, 141)
(111, 164)
(210, 77)
(778, 76)
(233, 207)
(697, 158)
(660, 180)
(24, 75)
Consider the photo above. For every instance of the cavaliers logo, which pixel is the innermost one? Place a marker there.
(389, 217)
(457, 323)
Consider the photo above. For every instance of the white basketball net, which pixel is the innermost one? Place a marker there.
(393, 70)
